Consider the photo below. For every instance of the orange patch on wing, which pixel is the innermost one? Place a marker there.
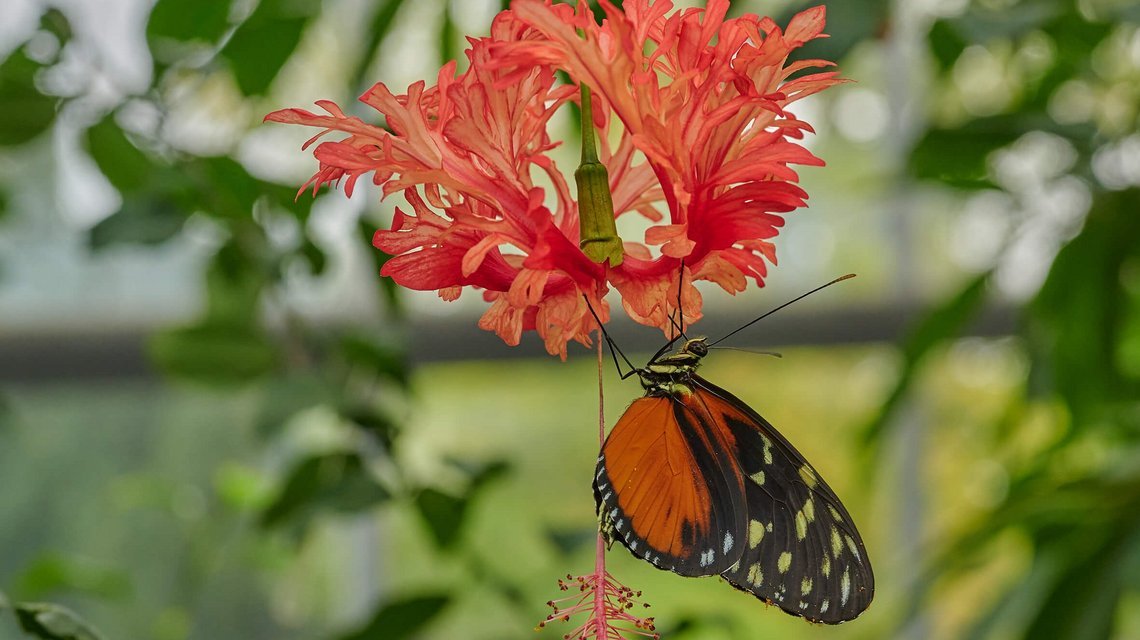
(655, 475)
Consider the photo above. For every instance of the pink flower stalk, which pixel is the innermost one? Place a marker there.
(615, 622)
(703, 130)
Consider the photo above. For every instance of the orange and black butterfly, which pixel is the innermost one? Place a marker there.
(695, 481)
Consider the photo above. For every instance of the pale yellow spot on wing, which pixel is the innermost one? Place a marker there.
(767, 449)
(758, 477)
(755, 533)
(845, 588)
(836, 542)
(785, 562)
(809, 510)
(755, 575)
(834, 513)
(808, 476)
(826, 566)
(801, 525)
(854, 549)
(805, 587)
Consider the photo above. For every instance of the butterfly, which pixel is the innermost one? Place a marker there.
(695, 481)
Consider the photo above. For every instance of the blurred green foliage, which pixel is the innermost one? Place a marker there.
(1077, 512)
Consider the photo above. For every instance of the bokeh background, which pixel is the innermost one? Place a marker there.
(217, 422)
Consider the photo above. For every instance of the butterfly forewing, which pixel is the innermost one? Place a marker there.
(801, 550)
(669, 490)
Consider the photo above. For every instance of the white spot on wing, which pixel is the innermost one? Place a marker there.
(727, 542)
(845, 587)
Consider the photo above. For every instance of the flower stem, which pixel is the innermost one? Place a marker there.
(607, 604)
(600, 557)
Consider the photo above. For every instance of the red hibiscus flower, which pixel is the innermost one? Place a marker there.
(702, 134)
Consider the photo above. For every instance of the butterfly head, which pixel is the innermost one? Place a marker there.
(669, 374)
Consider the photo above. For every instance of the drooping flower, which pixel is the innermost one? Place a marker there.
(702, 135)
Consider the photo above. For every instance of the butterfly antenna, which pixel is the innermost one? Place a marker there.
(680, 326)
(774, 354)
(792, 301)
(615, 351)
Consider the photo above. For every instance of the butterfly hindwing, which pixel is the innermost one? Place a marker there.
(670, 491)
(801, 550)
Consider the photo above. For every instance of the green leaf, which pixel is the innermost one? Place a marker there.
(942, 323)
(182, 21)
(1080, 314)
(53, 622)
(447, 35)
(216, 354)
(383, 360)
(946, 44)
(389, 290)
(570, 541)
(236, 277)
(240, 487)
(849, 22)
(288, 395)
(25, 112)
(444, 515)
(336, 482)
(1086, 594)
(373, 421)
(126, 167)
(56, 23)
(981, 24)
(958, 156)
(288, 199)
(147, 219)
(263, 43)
(480, 473)
(401, 619)
(314, 256)
(51, 572)
(377, 31)
(228, 189)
